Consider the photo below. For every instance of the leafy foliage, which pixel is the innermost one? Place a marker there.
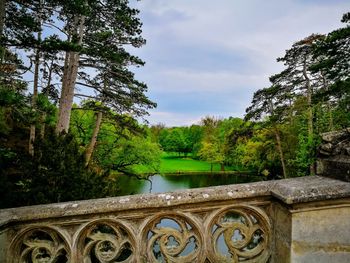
(58, 173)
(60, 42)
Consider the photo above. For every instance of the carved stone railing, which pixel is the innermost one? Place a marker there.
(276, 221)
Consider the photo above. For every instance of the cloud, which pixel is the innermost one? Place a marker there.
(191, 81)
(172, 119)
(204, 57)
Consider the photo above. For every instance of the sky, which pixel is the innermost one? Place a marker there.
(206, 57)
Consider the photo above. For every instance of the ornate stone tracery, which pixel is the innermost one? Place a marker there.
(173, 238)
(239, 233)
(40, 245)
(105, 241)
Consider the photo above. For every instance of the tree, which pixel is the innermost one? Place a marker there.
(60, 167)
(265, 101)
(235, 140)
(129, 154)
(211, 153)
(121, 142)
(132, 105)
(174, 141)
(23, 24)
(36, 77)
(194, 136)
(54, 173)
(299, 80)
(156, 130)
(331, 55)
(212, 149)
(99, 31)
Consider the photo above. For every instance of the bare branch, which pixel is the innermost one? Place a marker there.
(50, 25)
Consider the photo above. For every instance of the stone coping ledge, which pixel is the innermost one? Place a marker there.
(309, 189)
(289, 191)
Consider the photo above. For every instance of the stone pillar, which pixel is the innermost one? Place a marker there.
(282, 233)
(321, 234)
(311, 221)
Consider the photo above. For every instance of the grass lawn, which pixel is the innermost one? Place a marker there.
(173, 164)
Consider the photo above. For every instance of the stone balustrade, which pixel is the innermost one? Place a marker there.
(295, 220)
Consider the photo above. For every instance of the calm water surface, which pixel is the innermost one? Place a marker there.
(165, 183)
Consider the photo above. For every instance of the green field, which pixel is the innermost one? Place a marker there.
(174, 164)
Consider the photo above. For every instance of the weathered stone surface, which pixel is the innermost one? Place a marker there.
(335, 137)
(337, 167)
(294, 190)
(104, 228)
(315, 225)
(321, 235)
(3, 244)
(133, 202)
(335, 143)
(282, 229)
(309, 189)
(327, 148)
(334, 155)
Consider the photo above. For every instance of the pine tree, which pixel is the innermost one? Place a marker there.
(100, 32)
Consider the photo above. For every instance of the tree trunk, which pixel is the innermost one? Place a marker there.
(310, 113)
(280, 151)
(331, 123)
(329, 108)
(222, 167)
(309, 101)
(70, 73)
(42, 128)
(2, 15)
(2, 23)
(91, 147)
(66, 99)
(279, 144)
(60, 124)
(35, 96)
(43, 116)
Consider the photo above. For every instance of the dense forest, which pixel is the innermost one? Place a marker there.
(70, 106)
